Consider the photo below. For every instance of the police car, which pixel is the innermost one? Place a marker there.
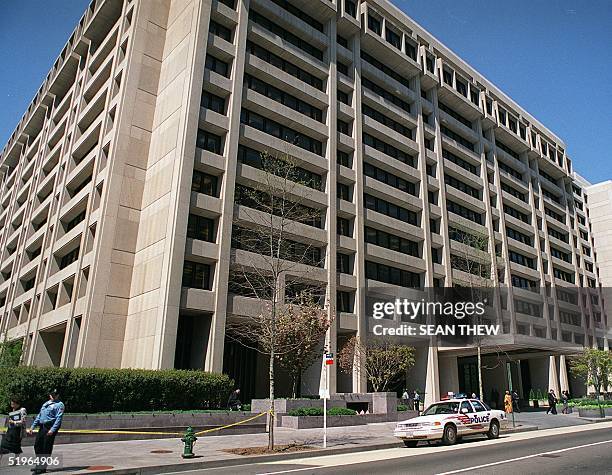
(451, 419)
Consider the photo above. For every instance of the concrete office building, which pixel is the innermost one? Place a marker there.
(119, 188)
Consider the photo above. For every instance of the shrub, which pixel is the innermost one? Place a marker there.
(245, 407)
(89, 390)
(306, 411)
(341, 411)
(402, 407)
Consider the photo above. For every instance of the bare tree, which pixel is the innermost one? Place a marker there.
(474, 258)
(384, 362)
(273, 262)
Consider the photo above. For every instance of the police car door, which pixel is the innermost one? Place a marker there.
(466, 413)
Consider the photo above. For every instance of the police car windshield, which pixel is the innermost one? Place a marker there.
(442, 408)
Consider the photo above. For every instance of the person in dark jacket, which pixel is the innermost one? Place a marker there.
(11, 440)
(233, 403)
(552, 402)
(565, 401)
(48, 421)
(515, 401)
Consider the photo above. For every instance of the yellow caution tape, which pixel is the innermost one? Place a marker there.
(93, 431)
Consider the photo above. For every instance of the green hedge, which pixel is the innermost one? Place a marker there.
(318, 411)
(402, 407)
(89, 390)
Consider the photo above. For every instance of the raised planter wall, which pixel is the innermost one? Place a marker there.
(312, 422)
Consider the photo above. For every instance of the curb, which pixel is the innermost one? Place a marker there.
(183, 467)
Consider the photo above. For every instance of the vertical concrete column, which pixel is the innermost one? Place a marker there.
(564, 383)
(553, 378)
(432, 378)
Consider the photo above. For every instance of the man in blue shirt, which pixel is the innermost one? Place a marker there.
(48, 421)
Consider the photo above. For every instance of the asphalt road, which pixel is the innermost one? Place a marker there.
(558, 452)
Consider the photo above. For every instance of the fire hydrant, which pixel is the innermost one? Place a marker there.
(189, 440)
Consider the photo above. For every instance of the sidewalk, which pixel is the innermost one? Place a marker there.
(128, 456)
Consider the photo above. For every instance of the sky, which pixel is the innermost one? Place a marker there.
(553, 57)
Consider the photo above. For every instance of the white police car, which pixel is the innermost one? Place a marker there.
(451, 419)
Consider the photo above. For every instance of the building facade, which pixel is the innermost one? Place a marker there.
(119, 189)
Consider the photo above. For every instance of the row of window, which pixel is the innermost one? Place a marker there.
(516, 214)
(509, 170)
(284, 65)
(464, 212)
(209, 141)
(254, 158)
(456, 137)
(376, 89)
(455, 115)
(389, 179)
(521, 259)
(282, 97)
(528, 308)
(459, 185)
(385, 69)
(383, 119)
(285, 35)
(392, 275)
(554, 215)
(512, 191)
(518, 236)
(390, 241)
(389, 150)
(299, 13)
(389, 209)
(451, 157)
(282, 132)
(565, 276)
(560, 254)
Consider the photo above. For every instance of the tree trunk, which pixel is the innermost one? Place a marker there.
(271, 414)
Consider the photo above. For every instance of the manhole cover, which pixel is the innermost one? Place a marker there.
(161, 451)
(550, 456)
(97, 468)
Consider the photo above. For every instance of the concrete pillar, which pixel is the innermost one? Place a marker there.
(449, 374)
(432, 380)
(553, 378)
(563, 374)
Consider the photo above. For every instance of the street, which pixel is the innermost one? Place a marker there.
(570, 450)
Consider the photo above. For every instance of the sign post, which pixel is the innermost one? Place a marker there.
(328, 359)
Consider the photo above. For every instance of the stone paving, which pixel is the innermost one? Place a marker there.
(150, 453)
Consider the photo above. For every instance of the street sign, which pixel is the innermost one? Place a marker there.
(329, 358)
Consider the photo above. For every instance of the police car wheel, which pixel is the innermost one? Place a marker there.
(493, 432)
(411, 443)
(450, 435)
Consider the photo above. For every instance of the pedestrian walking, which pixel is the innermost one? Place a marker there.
(508, 402)
(515, 401)
(405, 397)
(233, 403)
(11, 440)
(565, 402)
(552, 402)
(48, 421)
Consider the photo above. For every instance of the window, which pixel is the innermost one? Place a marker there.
(375, 88)
(383, 119)
(280, 96)
(392, 275)
(554, 215)
(470, 266)
(518, 236)
(260, 200)
(213, 102)
(209, 141)
(393, 38)
(350, 7)
(283, 65)
(343, 127)
(459, 185)
(344, 159)
(560, 254)
(524, 283)
(76, 220)
(196, 275)
(507, 149)
(466, 405)
(451, 157)
(343, 302)
(509, 170)
(343, 263)
(512, 191)
(299, 14)
(253, 158)
(280, 131)
(342, 68)
(565, 276)
(411, 50)
(389, 150)
(344, 98)
(204, 183)
(457, 138)
(343, 227)
(521, 259)
(389, 179)
(463, 212)
(459, 235)
(516, 214)
(29, 284)
(374, 25)
(392, 73)
(558, 235)
(390, 209)
(289, 37)
(199, 227)
(216, 65)
(343, 192)
(390, 241)
(220, 31)
(69, 258)
(342, 41)
(455, 115)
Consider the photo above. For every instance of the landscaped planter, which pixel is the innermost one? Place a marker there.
(594, 412)
(283, 406)
(311, 422)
